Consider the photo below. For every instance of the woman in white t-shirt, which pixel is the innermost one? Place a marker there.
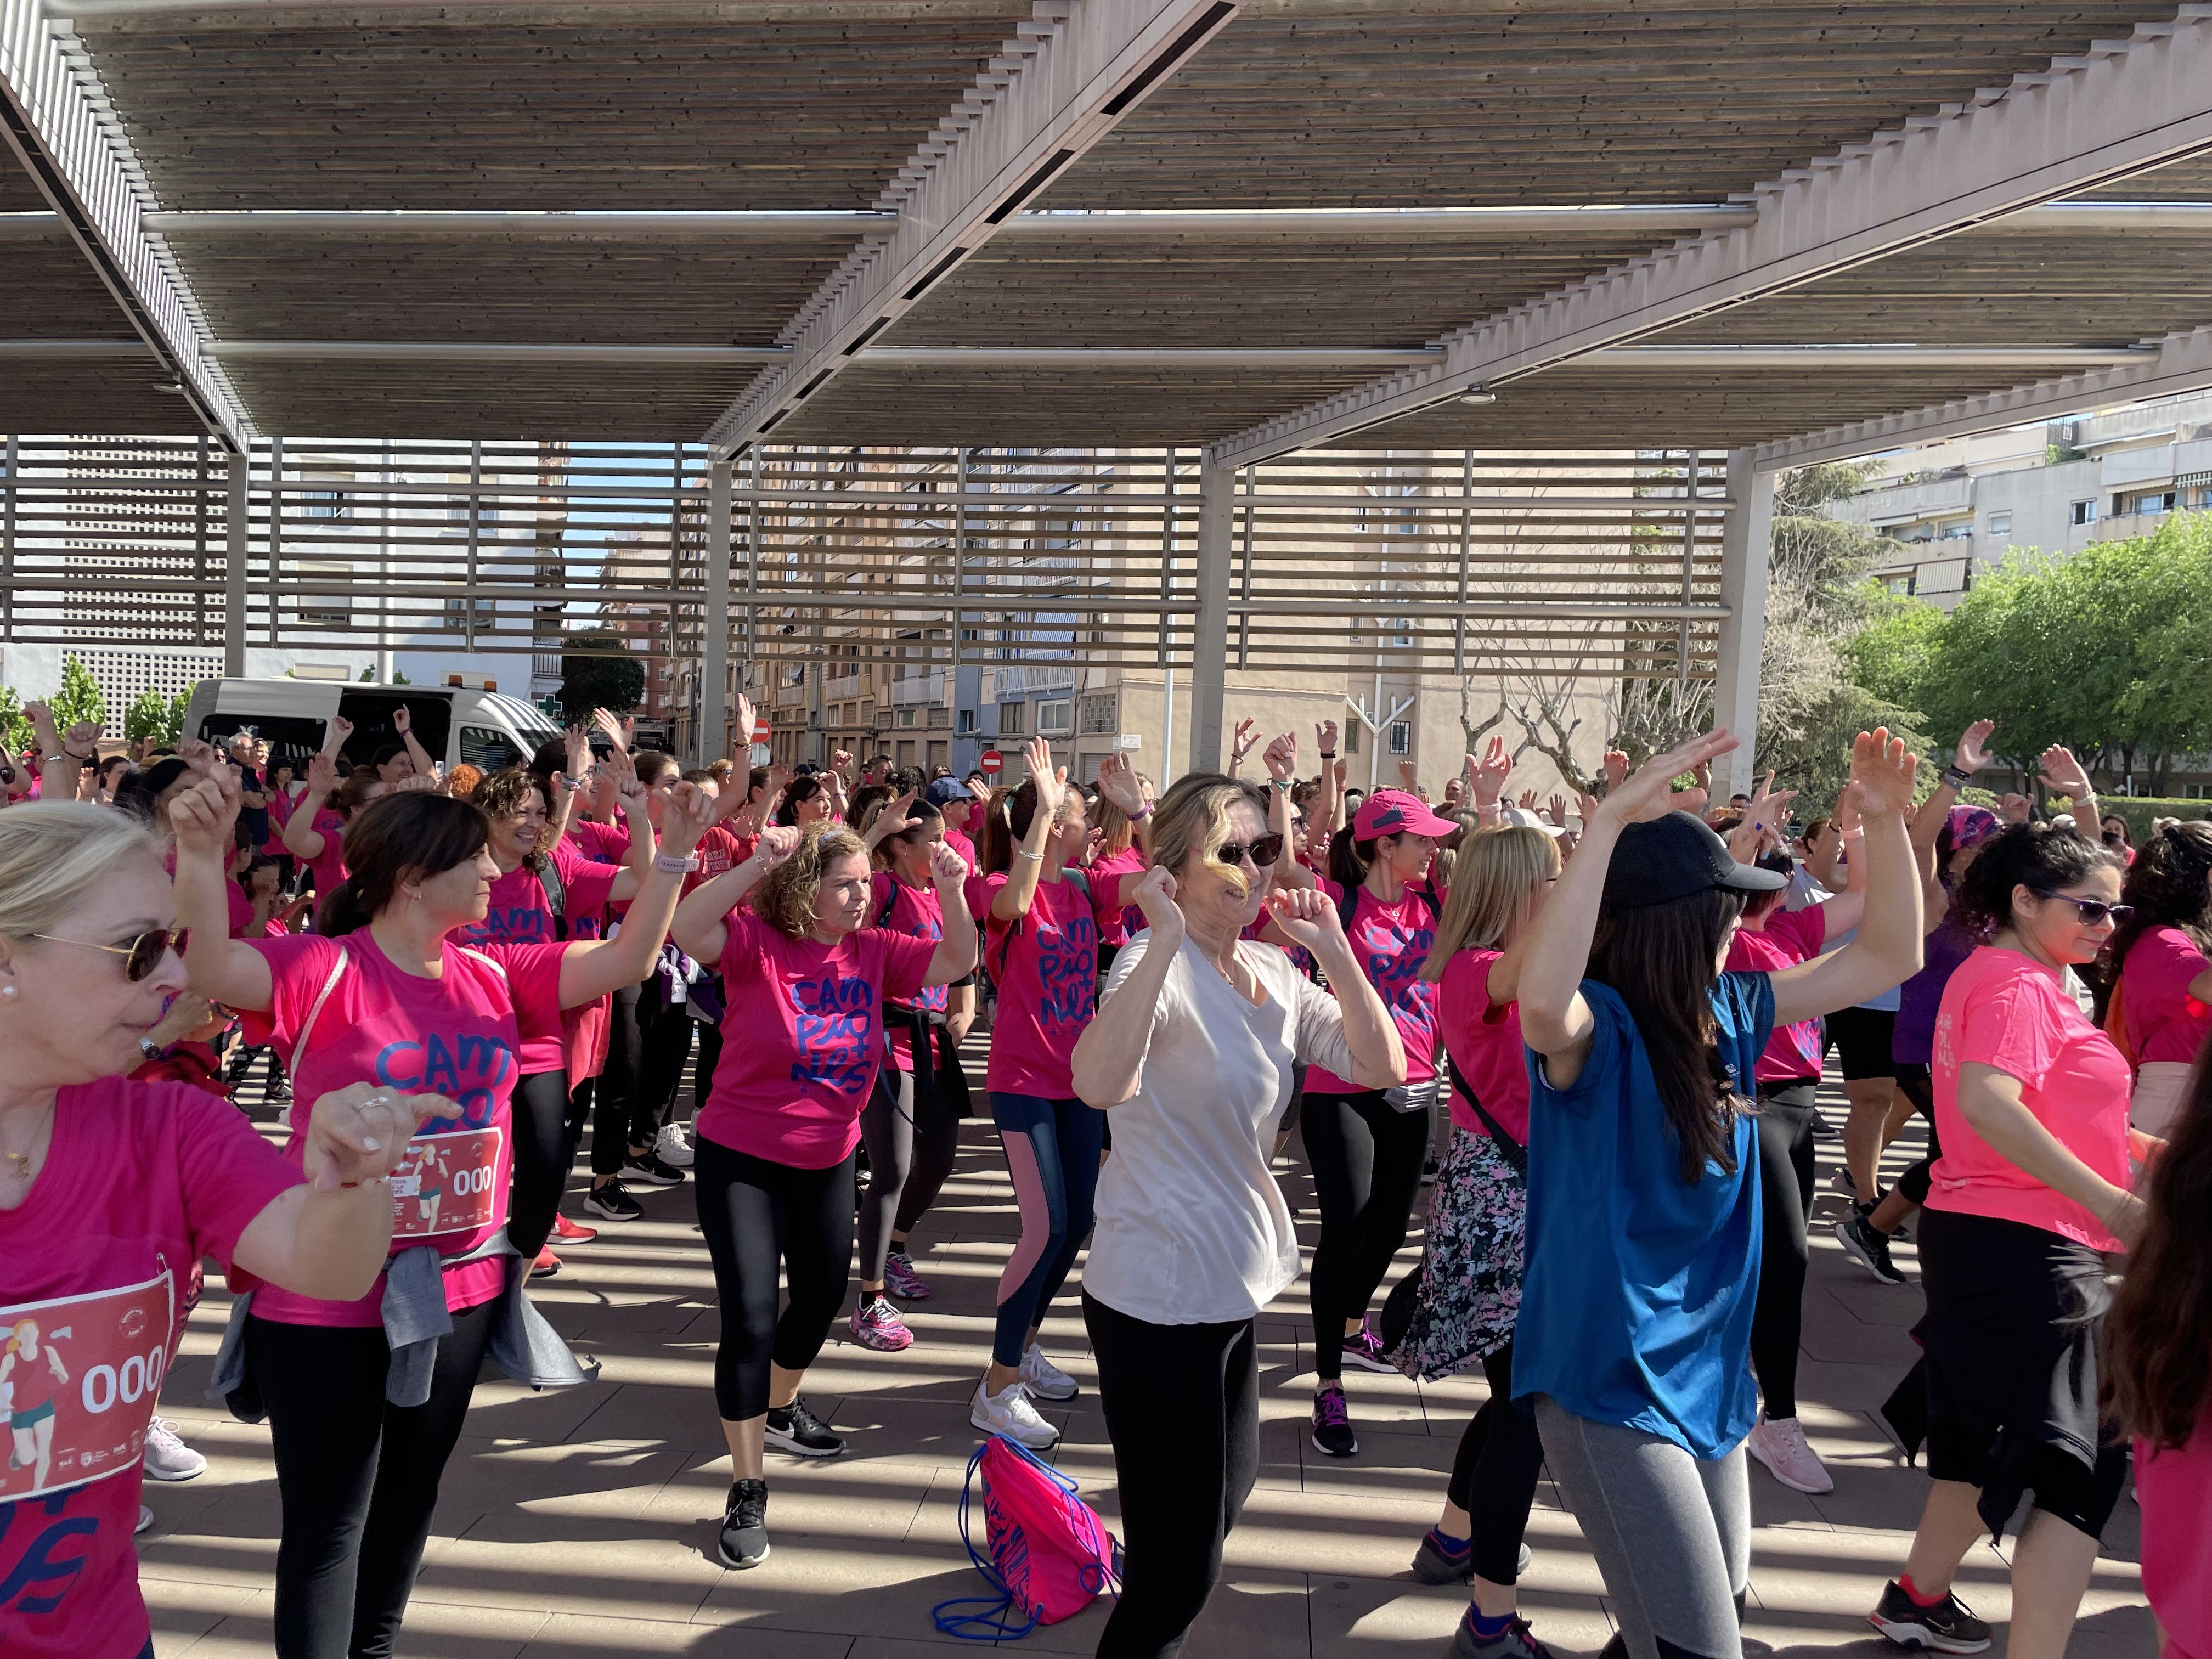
(1192, 1050)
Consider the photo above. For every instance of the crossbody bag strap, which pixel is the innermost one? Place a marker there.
(315, 1008)
(1508, 1148)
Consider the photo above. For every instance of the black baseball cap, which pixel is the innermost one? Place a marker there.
(1675, 858)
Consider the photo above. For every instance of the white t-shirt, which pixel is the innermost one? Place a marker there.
(1191, 1228)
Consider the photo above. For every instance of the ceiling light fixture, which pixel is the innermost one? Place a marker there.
(1478, 397)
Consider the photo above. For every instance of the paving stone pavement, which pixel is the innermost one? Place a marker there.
(581, 1523)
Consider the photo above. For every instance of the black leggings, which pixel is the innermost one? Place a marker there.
(1183, 1411)
(358, 1477)
(754, 1214)
(1786, 1179)
(1913, 1083)
(542, 1154)
(911, 1141)
(1495, 1472)
(1366, 1162)
(936, 1145)
(633, 1117)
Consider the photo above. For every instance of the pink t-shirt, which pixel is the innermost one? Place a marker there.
(2164, 1021)
(242, 909)
(2003, 1010)
(1106, 875)
(140, 1181)
(461, 1036)
(282, 805)
(1484, 1040)
(2175, 1489)
(1046, 967)
(1788, 937)
(803, 1037)
(719, 851)
(329, 865)
(521, 912)
(1390, 942)
(916, 913)
(958, 841)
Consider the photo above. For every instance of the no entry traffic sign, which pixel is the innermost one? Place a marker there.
(991, 764)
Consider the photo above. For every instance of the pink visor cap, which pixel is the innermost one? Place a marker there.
(1395, 813)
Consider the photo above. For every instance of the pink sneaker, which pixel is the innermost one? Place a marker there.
(1780, 1443)
(901, 1280)
(878, 1326)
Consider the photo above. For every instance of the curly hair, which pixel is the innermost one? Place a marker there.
(785, 899)
(2170, 884)
(503, 795)
(2031, 855)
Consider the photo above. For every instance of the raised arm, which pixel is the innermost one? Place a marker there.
(1972, 754)
(2064, 775)
(1281, 760)
(592, 968)
(1486, 780)
(702, 926)
(637, 863)
(1887, 951)
(222, 968)
(1117, 781)
(1306, 917)
(301, 839)
(402, 722)
(1109, 1063)
(1555, 1021)
(1839, 915)
(1011, 902)
(955, 956)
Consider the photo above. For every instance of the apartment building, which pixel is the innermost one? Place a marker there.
(1955, 509)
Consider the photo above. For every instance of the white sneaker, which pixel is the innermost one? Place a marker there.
(1044, 1379)
(673, 1143)
(1779, 1442)
(1010, 1413)
(145, 1519)
(168, 1458)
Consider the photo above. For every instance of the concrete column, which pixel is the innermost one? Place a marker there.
(1209, 653)
(714, 653)
(1746, 544)
(234, 565)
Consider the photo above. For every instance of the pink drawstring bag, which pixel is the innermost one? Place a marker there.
(1050, 1554)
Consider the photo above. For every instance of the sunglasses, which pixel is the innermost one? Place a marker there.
(2095, 912)
(140, 956)
(1262, 853)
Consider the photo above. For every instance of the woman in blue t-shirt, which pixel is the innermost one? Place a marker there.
(1634, 1335)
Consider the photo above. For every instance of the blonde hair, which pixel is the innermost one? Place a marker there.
(55, 855)
(785, 899)
(1494, 875)
(1193, 817)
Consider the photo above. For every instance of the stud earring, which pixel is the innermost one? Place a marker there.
(6, 990)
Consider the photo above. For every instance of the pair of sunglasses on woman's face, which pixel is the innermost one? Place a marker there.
(2095, 913)
(1263, 852)
(140, 956)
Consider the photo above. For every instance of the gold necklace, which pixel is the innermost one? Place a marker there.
(23, 1162)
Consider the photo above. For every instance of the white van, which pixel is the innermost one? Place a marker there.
(484, 729)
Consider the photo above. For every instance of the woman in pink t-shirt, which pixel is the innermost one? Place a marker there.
(2158, 1373)
(1042, 953)
(366, 1397)
(2031, 1105)
(805, 978)
(111, 1193)
(1470, 1281)
(1366, 1147)
(2165, 986)
(314, 832)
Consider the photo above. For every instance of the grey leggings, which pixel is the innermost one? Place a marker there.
(1671, 1532)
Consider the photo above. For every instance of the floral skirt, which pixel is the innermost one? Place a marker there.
(1469, 1291)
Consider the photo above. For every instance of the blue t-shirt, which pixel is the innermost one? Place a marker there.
(1636, 1301)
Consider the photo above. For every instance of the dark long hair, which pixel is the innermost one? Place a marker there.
(1662, 959)
(1004, 825)
(798, 789)
(411, 830)
(1348, 859)
(2170, 884)
(2157, 1366)
(2032, 855)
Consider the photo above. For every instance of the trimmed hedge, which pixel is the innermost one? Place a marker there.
(2140, 809)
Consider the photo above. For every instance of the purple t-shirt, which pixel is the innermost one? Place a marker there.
(1913, 1040)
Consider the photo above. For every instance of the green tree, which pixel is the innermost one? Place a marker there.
(598, 672)
(147, 717)
(14, 728)
(177, 706)
(1893, 655)
(79, 697)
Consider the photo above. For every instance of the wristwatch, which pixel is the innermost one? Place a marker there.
(1328, 754)
(1957, 778)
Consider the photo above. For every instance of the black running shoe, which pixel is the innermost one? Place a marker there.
(1946, 1627)
(1515, 1641)
(1332, 1423)
(649, 1165)
(743, 1541)
(1868, 1246)
(610, 1202)
(1434, 1563)
(795, 1429)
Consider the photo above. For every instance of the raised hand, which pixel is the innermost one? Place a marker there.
(840, 762)
(577, 741)
(1281, 758)
(1616, 769)
(1409, 776)
(981, 791)
(1974, 752)
(416, 780)
(2014, 808)
(1306, 917)
(686, 812)
(2064, 775)
(322, 778)
(1558, 808)
(1527, 802)
(779, 779)
(1325, 739)
(1343, 771)
(746, 716)
(777, 842)
(1049, 782)
(41, 717)
(205, 815)
(341, 727)
(1155, 896)
(947, 869)
(82, 737)
(359, 1132)
(1117, 781)
(1648, 791)
(1488, 775)
(1881, 773)
(402, 721)
(1247, 733)
(894, 819)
